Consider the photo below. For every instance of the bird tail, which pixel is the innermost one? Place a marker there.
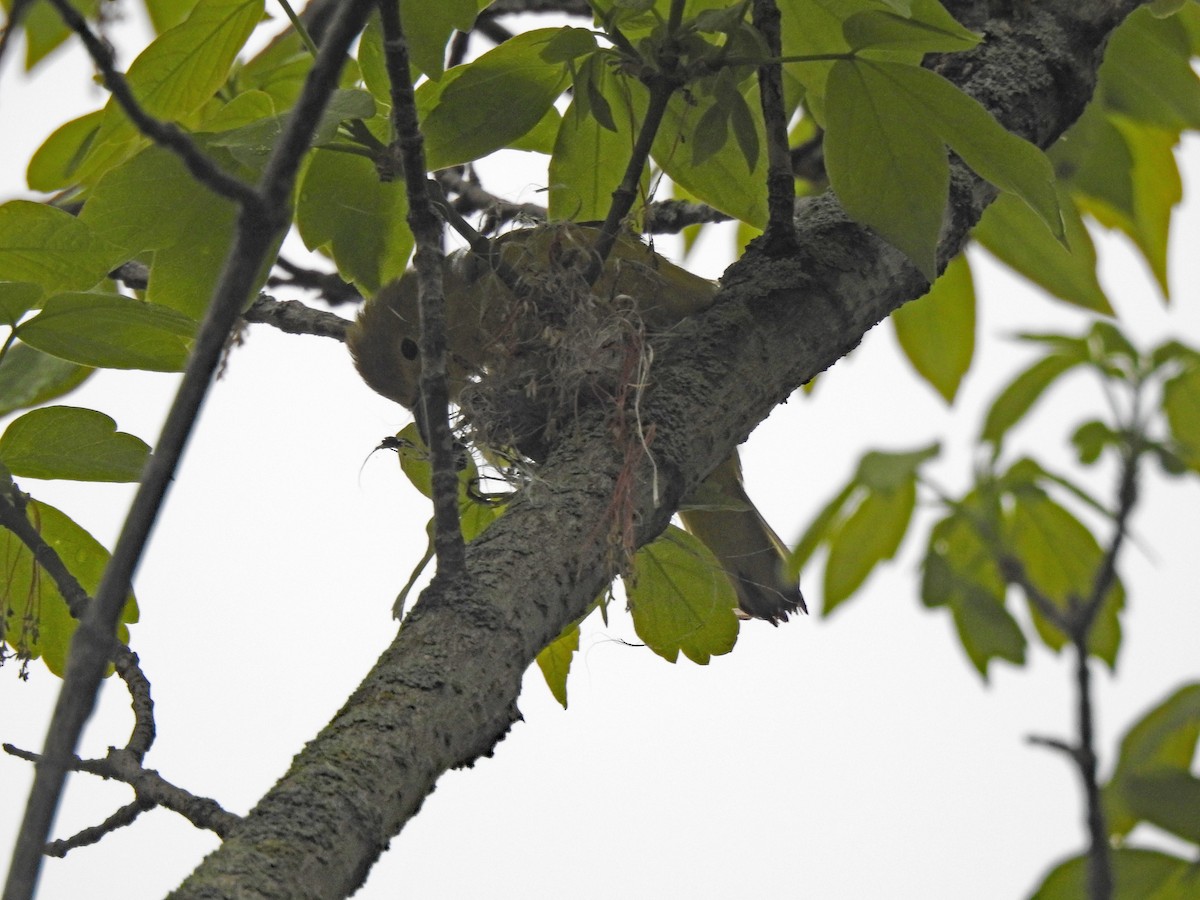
(751, 554)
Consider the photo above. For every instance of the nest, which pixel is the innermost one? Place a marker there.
(560, 346)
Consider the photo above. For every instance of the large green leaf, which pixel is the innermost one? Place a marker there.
(111, 331)
(177, 73)
(71, 443)
(344, 209)
(589, 158)
(53, 164)
(44, 28)
(1163, 739)
(427, 27)
(888, 173)
(1147, 73)
(36, 617)
(1016, 236)
(937, 332)
(1139, 874)
(681, 599)
(30, 377)
(51, 248)
(485, 105)
(1168, 798)
(888, 127)
(1061, 558)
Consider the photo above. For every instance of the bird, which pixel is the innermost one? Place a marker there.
(491, 326)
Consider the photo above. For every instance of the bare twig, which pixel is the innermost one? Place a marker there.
(263, 218)
(427, 229)
(93, 834)
(780, 235)
(293, 317)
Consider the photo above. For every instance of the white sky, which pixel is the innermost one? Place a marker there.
(853, 757)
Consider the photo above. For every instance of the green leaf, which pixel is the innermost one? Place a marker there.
(569, 44)
(1138, 874)
(51, 248)
(1017, 237)
(589, 158)
(1147, 73)
(821, 529)
(45, 30)
(485, 105)
(555, 662)
(53, 165)
(427, 27)
(870, 535)
(71, 443)
(681, 600)
(1157, 189)
(1164, 738)
(177, 73)
(885, 30)
(1169, 798)
(30, 377)
(884, 472)
(344, 209)
(251, 144)
(16, 299)
(1091, 438)
(1061, 559)
(1181, 404)
(1009, 162)
(111, 331)
(166, 14)
(937, 332)
(987, 630)
(724, 180)
(888, 174)
(1024, 390)
(38, 622)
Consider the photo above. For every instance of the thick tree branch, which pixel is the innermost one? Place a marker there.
(444, 693)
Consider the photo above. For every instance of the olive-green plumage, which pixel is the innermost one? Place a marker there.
(383, 342)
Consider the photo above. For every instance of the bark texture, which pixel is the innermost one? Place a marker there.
(445, 692)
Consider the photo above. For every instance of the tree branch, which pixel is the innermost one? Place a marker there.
(431, 299)
(444, 693)
(780, 235)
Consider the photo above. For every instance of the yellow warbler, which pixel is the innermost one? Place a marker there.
(489, 328)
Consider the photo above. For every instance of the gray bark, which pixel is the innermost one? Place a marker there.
(445, 691)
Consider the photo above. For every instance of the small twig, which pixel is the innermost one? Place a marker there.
(471, 196)
(780, 236)
(150, 789)
(1100, 873)
(672, 216)
(293, 317)
(423, 219)
(123, 817)
(1054, 744)
(170, 136)
(333, 289)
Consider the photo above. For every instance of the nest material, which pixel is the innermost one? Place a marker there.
(561, 346)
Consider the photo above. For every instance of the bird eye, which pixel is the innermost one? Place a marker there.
(408, 348)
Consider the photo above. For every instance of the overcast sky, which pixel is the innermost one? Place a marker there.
(858, 756)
